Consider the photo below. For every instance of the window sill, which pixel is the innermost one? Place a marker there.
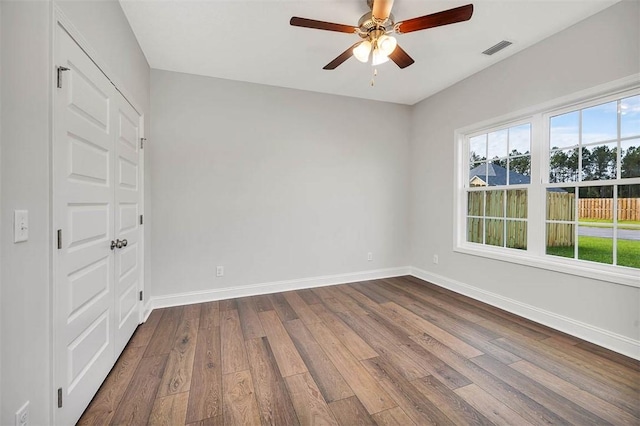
(612, 274)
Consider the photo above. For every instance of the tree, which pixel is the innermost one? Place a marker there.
(630, 163)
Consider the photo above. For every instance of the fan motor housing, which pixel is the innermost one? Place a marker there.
(367, 24)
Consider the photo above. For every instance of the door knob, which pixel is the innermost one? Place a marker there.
(124, 243)
(113, 244)
(119, 244)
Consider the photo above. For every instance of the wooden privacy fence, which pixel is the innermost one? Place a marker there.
(560, 207)
(602, 208)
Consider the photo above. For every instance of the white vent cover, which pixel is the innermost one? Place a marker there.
(497, 47)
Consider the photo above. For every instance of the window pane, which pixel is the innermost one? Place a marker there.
(495, 204)
(497, 144)
(564, 130)
(563, 166)
(600, 123)
(595, 244)
(494, 232)
(475, 230)
(628, 253)
(560, 239)
(519, 170)
(520, 139)
(517, 234)
(478, 148)
(630, 158)
(599, 162)
(630, 117)
(475, 202)
(478, 174)
(561, 204)
(595, 205)
(517, 203)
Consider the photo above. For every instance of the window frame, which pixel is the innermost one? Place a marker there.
(539, 117)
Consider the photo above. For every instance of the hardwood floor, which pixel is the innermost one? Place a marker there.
(388, 352)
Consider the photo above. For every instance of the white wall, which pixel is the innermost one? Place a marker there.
(272, 183)
(25, 89)
(600, 49)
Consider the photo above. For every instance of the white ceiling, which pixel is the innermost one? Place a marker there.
(252, 41)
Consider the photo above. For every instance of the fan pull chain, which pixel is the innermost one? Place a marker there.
(373, 79)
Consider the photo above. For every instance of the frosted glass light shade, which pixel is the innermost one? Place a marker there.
(387, 44)
(378, 57)
(362, 51)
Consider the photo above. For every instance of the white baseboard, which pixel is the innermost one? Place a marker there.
(599, 336)
(272, 287)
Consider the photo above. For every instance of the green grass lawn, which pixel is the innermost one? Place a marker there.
(605, 223)
(600, 250)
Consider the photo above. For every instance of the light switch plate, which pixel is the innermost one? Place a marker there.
(20, 226)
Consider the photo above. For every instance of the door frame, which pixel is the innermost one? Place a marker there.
(59, 19)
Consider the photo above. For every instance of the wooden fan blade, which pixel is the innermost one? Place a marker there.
(401, 58)
(321, 25)
(341, 58)
(382, 9)
(446, 17)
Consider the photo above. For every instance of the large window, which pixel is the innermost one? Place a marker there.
(557, 188)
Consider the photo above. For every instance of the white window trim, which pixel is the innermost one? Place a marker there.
(535, 255)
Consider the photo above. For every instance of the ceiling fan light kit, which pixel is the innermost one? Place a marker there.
(375, 26)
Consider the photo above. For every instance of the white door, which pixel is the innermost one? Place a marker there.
(127, 221)
(95, 284)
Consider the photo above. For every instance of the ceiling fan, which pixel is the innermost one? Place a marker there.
(374, 28)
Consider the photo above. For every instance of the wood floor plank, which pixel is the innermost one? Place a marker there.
(356, 344)
(339, 301)
(309, 405)
(549, 399)
(419, 409)
(205, 396)
(302, 310)
(586, 400)
(331, 384)
(164, 333)
(453, 406)
(228, 305)
(368, 391)
(234, 356)
(309, 297)
(212, 421)
(491, 408)
(273, 398)
(177, 373)
(262, 303)
(145, 331)
(287, 357)
(351, 412)
(282, 307)
(140, 395)
(169, 410)
(251, 325)
(240, 405)
(392, 417)
(104, 404)
(210, 315)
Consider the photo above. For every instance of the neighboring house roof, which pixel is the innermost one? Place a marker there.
(496, 175)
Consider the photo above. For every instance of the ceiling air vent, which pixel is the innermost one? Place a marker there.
(498, 47)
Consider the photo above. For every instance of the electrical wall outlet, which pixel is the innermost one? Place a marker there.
(22, 415)
(435, 259)
(20, 226)
(219, 271)
(369, 256)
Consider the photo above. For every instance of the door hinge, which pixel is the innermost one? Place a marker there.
(60, 69)
(141, 219)
(140, 294)
(59, 239)
(142, 140)
(59, 397)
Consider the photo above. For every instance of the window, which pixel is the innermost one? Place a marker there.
(556, 187)
(596, 149)
(499, 172)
